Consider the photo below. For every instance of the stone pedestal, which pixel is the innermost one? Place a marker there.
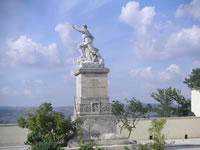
(92, 92)
(92, 106)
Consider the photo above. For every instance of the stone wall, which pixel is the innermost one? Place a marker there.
(175, 128)
(11, 135)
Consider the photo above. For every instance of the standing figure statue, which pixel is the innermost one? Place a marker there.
(86, 48)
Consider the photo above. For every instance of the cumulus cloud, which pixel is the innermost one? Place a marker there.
(185, 42)
(170, 72)
(138, 19)
(160, 42)
(145, 73)
(192, 9)
(24, 51)
(66, 35)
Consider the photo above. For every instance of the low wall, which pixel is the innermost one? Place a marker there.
(12, 135)
(175, 128)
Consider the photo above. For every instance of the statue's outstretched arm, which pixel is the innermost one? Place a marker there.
(77, 29)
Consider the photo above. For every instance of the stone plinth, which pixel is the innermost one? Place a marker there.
(92, 92)
(92, 106)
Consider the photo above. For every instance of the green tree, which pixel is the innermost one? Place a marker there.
(171, 103)
(164, 98)
(193, 82)
(158, 138)
(48, 128)
(133, 111)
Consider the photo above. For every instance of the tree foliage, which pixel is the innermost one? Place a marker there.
(88, 147)
(47, 126)
(193, 82)
(46, 146)
(133, 111)
(158, 138)
(171, 103)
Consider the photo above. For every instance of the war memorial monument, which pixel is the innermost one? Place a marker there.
(92, 104)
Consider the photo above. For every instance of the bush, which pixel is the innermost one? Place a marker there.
(88, 147)
(47, 126)
(46, 146)
(158, 137)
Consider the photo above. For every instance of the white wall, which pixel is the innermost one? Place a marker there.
(11, 135)
(175, 128)
(195, 102)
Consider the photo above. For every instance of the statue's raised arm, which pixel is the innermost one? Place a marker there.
(77, 29)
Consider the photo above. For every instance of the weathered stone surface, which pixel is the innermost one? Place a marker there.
(92, 92)
(92, 106)
(100, 130)
(90, 56)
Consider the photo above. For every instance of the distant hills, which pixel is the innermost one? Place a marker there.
(11, 114)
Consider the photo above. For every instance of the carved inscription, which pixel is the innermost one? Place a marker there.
(95, 107)
(106, 107)
(94, 83)
(85, 108)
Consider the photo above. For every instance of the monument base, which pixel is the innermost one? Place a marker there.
(99, 130)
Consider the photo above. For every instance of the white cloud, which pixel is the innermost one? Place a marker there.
(66, 34)
(192, 9)
(24, 51)
(169, 73)
(138, 19)
(161, 41)
(145, 73)
(27, 92)
(184, 42)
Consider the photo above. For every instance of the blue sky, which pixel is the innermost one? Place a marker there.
(147, 44)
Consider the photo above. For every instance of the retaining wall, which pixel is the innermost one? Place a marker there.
(175, 128)
(12, 135)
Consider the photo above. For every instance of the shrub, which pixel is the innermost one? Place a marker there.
(46, 126)
(46, 146)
